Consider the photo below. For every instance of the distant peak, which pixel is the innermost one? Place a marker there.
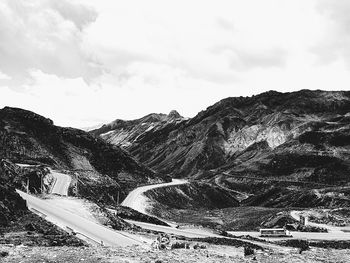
(174, 115)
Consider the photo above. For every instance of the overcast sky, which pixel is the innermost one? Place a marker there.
(83, 62)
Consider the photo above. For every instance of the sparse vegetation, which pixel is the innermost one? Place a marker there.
(297, 243)
(224, 241)
(331, 244)
(248, 251)
(178, 245)
(198, 246)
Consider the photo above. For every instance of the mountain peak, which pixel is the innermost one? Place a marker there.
(174, 115)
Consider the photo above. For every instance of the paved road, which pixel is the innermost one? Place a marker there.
(139, 202)
(63, 218)
(202, 233)
(298, 235)
(61, 183)
(192, 233)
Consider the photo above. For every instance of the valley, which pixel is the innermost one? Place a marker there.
(242, 164)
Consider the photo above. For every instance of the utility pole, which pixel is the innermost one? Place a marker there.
(77, 175)
(42, 183)
(118, 198)
(27, 185)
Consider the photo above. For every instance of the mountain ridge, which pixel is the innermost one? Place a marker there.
(223, 135)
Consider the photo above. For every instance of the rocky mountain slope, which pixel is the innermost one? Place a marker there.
(237, 131)
(26, 137)
(11, 204)
(125, 133)
(297, 141)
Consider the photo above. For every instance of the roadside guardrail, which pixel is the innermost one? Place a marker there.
(38, 212)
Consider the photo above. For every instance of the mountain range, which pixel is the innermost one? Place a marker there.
(273, 150)
(259, 145)
(239, 131)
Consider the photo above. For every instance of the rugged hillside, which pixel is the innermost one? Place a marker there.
(11, 204)
(26, 137)
(238, 132)
(293, 148)
(190, 196)
(125, 133)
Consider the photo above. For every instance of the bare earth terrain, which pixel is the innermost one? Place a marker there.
(135, 254)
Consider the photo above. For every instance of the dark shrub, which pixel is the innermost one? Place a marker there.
(248, 251)
(178, 245)
(298, 243)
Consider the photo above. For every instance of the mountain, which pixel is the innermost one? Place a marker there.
(26, 137)
(282, 139)
(234, 131)
(125, 133)
(91, 128)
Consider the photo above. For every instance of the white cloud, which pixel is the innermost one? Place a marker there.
(336, 38)
(45, 35)
(86, 61)
(3, 76)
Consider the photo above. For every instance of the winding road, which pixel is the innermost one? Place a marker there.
(72, 222)
(96, 232)
(139, 202)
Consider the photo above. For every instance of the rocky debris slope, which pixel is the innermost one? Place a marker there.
(213, 253)
(31, 230)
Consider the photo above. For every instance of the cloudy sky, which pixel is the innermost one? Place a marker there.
(83, 62)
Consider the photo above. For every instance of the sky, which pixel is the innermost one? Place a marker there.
(86, 62)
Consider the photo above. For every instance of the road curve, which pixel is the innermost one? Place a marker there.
(61, 183)
(64, 219)
(191, 233)
(139, 202)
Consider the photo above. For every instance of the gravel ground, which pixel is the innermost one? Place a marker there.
(213, 254)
